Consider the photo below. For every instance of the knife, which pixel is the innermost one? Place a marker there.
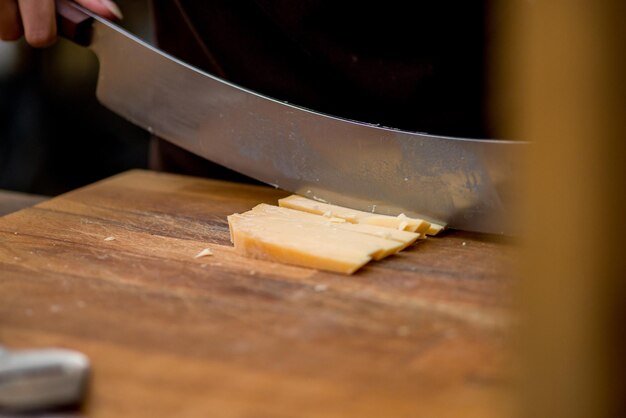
(468, 184)
(41, 379)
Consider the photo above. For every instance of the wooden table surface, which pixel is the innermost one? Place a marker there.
(422, 333)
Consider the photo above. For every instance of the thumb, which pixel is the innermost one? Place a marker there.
(104, 8)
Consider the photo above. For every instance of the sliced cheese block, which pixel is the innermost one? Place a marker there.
(323, 229)
(400, 222)
(406, 238)
(300, 243)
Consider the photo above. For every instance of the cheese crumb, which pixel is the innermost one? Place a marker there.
(328, 214)
(320, 287)
(109, 239)
(204, 253)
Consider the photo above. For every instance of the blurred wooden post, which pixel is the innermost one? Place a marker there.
(565, 63)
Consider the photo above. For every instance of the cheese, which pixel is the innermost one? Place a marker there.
(434, 229)
(296, 243)
(355, 216)
(313, 234)
(406, 238)
(204, 253)
(279, 211)
(320, 228)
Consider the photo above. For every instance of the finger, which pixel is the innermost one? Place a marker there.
(39, 22)
(105, 8)
(10, 26)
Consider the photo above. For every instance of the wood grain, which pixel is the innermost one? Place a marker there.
(423, 333)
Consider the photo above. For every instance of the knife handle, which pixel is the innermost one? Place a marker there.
(72, 23)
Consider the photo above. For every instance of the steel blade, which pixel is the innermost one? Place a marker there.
(467, 184)
(41, 378)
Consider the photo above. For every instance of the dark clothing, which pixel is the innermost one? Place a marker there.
(418, 66)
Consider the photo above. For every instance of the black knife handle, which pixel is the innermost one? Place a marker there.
(72, 23)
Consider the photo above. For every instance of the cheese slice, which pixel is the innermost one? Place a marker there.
(320, 228)
(406, 238)
(400, 222)
(277, 210)
(299, 243)
(434, 229)
(252, 245)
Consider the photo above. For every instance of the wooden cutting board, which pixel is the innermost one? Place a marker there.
(422, 333)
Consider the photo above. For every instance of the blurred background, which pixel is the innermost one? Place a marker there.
(54, 135)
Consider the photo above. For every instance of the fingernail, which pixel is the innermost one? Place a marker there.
(113, 8)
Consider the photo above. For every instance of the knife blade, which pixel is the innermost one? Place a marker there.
(463, 183)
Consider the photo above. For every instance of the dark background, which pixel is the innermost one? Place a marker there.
(54, 135)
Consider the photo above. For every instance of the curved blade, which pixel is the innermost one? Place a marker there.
(467, 184)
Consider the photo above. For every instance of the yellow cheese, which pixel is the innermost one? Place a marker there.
(253, 245)
(300, 243)
(401, 221)
(322, 228)
(312, 234)
(434, 229)
(406, 238)
(276, 210)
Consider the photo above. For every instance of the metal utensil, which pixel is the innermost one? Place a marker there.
(40, 379)
(465, 183)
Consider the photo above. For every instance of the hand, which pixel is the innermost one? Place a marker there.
(36, 20)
